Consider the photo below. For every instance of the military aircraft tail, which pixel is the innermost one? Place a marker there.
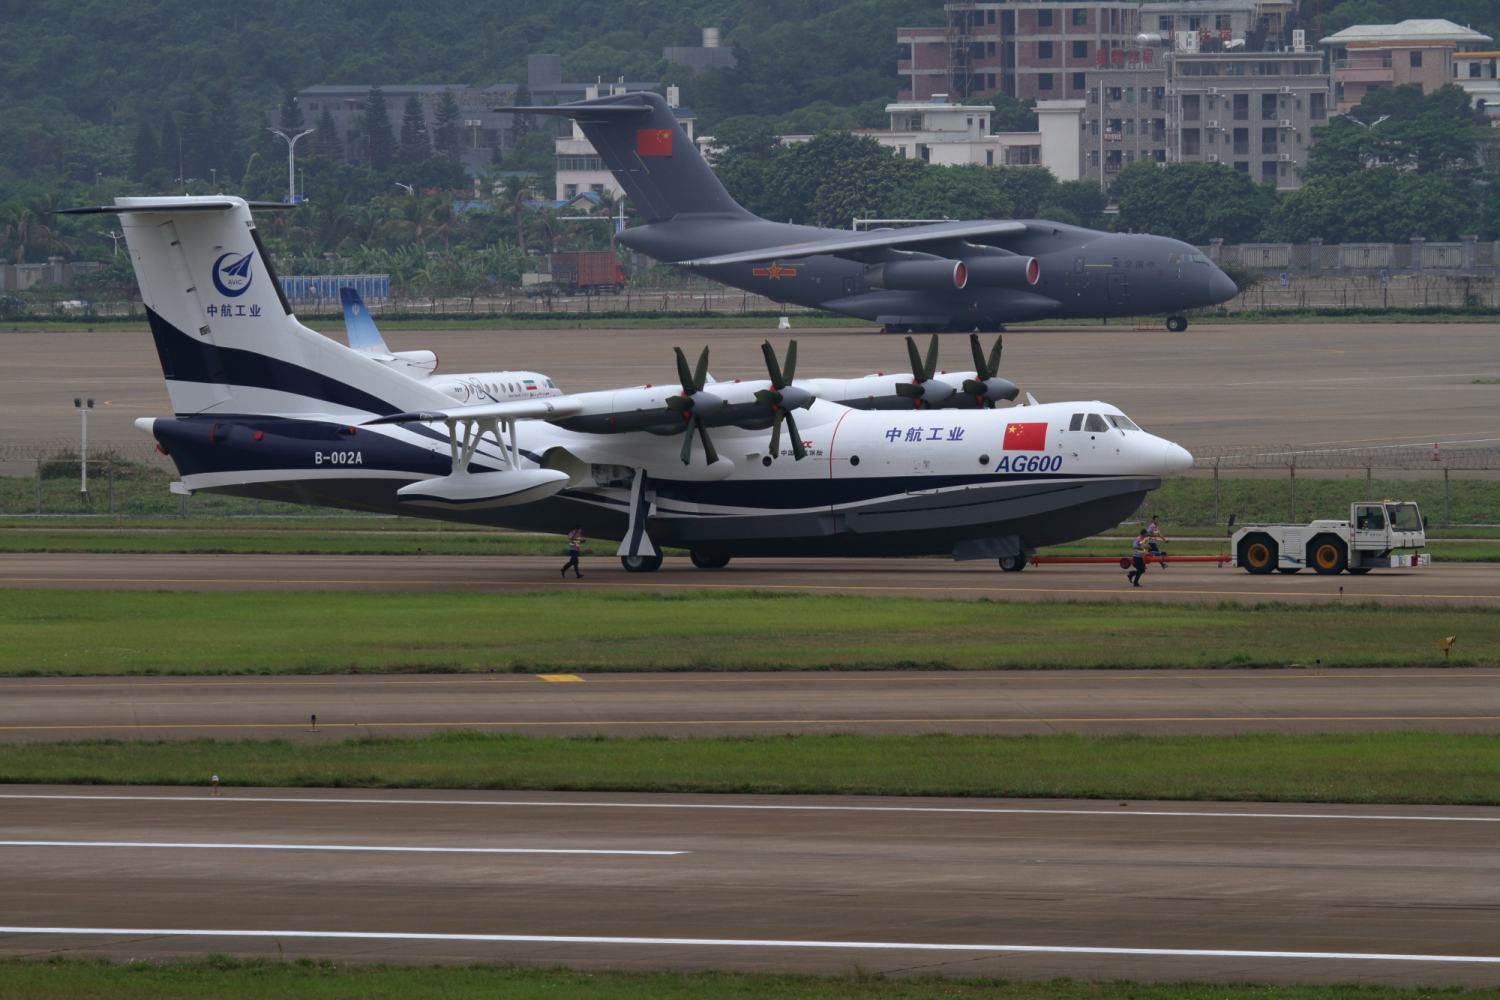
(655, 161)
(226, 336)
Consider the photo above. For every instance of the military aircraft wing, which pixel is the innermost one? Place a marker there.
(856, 244)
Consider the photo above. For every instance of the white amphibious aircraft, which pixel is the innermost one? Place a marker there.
(265, 407)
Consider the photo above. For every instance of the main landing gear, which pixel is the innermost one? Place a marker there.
(1012, 564)
(641, 564)
(1176, 324)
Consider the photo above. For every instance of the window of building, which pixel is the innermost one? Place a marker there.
(1242, 166)
(989, 17)
(1044, 81)
(1079, 82)
(1080, 50)
(1044, 18)
(1164, 23)
(1267, 107)
(989, 47)
(1080, 16)
(1044, 50)
(1268, 172)
(1223, 22)
(1268, 140)
(1241, 141)
(1241, 107)
(1317, 106)
(570, 190)
(1416, 58)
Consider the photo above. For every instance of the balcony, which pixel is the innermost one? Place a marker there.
(1365, 74)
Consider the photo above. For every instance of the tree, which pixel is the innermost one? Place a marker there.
(1384, 205)
(1193, 202)
(292, 120)
(326, 142)
(380, 141)
(447, 136)
(416, 146)
(146, 155)
(522, 123)
(1013, 115)
(1400, 127)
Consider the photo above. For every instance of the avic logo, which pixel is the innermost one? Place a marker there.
(232, 273)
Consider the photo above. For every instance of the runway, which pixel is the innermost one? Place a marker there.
(1443, 584)
(1019, 889)
(696, 704)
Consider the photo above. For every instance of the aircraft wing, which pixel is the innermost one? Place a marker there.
(545, 408)
(858, 243)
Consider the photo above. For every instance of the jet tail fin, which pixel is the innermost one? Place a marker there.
(650, 154)
(359, 325)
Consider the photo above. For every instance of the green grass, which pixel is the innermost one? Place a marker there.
(1371, 767)
(141, 632)
(230, 979)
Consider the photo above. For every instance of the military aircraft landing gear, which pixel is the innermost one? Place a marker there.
(1012, 564)
(708, 560)
(641, 564)
(1176, 324)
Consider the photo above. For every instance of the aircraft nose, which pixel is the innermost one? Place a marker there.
(1174, 458)
(1221, 287)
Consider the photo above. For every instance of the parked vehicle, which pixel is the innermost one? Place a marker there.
(1382, 534)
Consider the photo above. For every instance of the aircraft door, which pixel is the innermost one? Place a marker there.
(1117, 288)
(1078, 278)
(1369, 526)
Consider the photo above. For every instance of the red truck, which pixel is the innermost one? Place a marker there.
(587, 272)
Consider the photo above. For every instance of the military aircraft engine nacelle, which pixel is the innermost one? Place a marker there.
(919, 275)
(482, 490)
(416, 364)
(1004, 272)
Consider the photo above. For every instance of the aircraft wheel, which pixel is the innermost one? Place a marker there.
(708, 560)
(1176, 324)
(641, 564)
(1258, 554)
(1327, 555)
(1012, 564)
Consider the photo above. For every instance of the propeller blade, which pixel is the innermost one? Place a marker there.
(798, 452)
(710, 455)
(773, 368)
(932, 352)
(916, 360)
(776, 433)
(684, 373)
(687, 443)
(995, 357)
(791, 363)
(978, 352)
(701, 373)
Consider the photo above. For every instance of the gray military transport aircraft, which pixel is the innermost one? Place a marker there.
(945, 276)
(921, 462)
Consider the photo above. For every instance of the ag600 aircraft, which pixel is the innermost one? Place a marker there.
(881, 465)
(948, 276)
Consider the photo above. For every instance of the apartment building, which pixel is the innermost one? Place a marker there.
(1479, 74)
(1420, 51)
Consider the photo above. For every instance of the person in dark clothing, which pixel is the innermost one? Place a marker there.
(1138, 559)
(575, 549)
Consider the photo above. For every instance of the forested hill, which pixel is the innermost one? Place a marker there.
(78, 76)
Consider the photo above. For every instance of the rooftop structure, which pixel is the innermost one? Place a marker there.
(1370, 56)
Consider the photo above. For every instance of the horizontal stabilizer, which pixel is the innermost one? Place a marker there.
(582, 109)
(549, 408)
(126, 206)
(863, 242)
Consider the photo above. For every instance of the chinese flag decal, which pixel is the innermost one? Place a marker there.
(1025, 437)
(653, 141)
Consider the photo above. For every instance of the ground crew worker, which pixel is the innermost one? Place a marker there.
(575, 549)
(1138, 550)
(1156, 541)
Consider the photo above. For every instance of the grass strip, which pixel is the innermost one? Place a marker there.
(229, 979)
(142, 632)
(1367, 767)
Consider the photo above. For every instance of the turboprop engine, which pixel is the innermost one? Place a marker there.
(1004, 272)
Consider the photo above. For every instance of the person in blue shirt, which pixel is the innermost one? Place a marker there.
(1138, 550)
(575, 549)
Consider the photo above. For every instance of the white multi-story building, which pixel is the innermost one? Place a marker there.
(945, 134)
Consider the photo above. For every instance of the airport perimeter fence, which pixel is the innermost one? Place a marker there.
(1455, 484)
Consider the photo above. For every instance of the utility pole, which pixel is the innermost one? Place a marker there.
(83, 406)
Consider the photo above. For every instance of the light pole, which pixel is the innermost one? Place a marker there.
(408, 188)
(1367, 125)
(83, 406)
(245, 179)
(291, 161)
(117, 237)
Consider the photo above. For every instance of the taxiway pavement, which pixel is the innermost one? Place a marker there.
(697, 704)
(1443, 584)
(1016, 889)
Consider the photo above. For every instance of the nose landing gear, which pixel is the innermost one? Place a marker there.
(1176, 324)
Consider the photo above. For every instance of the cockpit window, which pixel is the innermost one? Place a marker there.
(1076, 424)
(1197, 258)
(551, 384)
(1121, 421)
(1095, 423)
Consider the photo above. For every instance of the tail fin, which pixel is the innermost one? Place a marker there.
(359, 325)
(225, 334)
(650, 154)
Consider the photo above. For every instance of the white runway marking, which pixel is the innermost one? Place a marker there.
(751, 943)
(330, 847)
(1123, 811)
